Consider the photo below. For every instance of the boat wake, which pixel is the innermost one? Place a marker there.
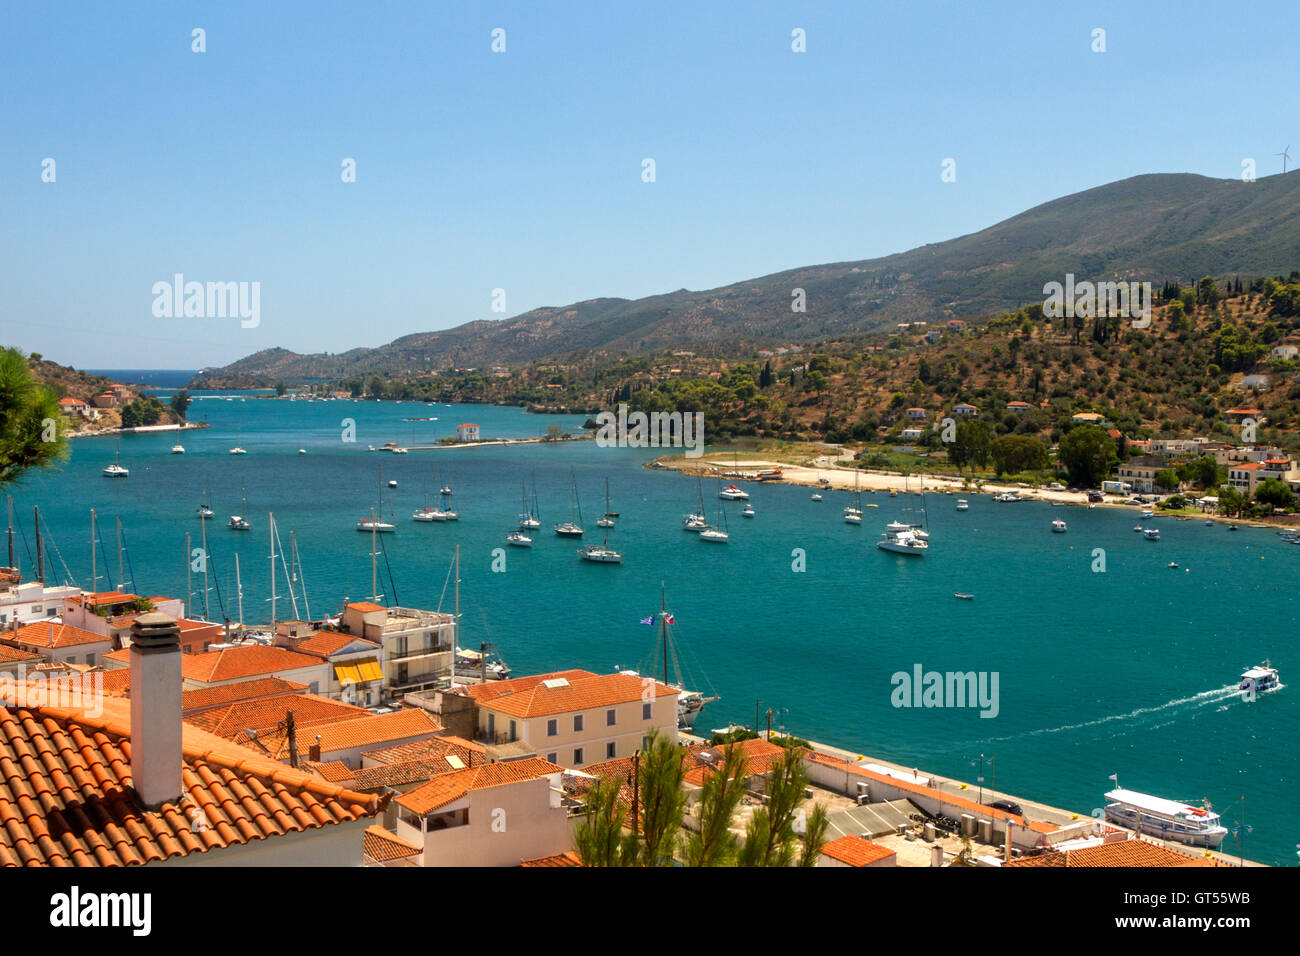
(1220, 695)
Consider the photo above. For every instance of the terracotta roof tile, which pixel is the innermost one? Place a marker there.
(193, 701)
(335, 771)
(439, 746)
(368, 779)
(1119, 853)
(325, 643)
(568, 858)
(584, 693)
(267, 714)
(384, 847)
(51, 634)
(856, 851)
(66, 795)
(446, 788)
(498, 688)
(368, 730)
(15, 655)
(235, 663)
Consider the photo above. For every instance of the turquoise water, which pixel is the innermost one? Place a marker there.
(1127, 671)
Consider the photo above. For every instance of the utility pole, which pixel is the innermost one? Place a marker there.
(636, 791)
(769, 725)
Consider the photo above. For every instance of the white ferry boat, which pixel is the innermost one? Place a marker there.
(1166, 819)
(1256, 680)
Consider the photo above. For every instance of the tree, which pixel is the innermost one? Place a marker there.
(281, 388)
(662, 800)
(1013, 454)
(599, 839)
(181, 403)
(1088, 453)
(1274, 492)
(1166, 479)
(1231, 501)
(971, 445)
(765, 377)
(32, 431)
(715, 844)
(772, 837)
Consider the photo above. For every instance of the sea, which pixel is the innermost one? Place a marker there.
(1107, 660)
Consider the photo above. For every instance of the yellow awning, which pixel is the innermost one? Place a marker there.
(369, 669)
(359, 671)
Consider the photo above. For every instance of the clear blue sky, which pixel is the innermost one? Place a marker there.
(522, 170)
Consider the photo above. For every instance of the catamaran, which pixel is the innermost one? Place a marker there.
(732, 493)
(1166, 819)
(573, 527)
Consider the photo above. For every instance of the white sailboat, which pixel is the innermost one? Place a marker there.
(717, 535)
(573, 527)
(903, 537)
(528, 519)
(853, 514)
(116, 470)
(239, 522)
(374, 523)
(697, 521)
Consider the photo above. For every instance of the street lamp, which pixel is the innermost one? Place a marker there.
(981, 775)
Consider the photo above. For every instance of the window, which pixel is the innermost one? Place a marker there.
(553, 758)
(36, 609)
(90, 659)
(611, 717)
(645, 711)
(577, 723)
(577, 756)
(552, 728)
(513, 731)
(611, 750)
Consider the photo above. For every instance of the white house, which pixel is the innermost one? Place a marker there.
(467, 432)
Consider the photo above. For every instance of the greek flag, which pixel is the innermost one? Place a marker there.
(649, 620)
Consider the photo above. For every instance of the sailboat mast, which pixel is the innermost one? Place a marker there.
(374, 560)
(40, 548)
(239, 591)
(94, 569)
(663, 627)
(11, 533)
(121, 578)
(189, 578)
(455, 630)
(270, 520)
(207, 612)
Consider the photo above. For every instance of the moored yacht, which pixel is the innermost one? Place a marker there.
(178, 449)
(1059, 526)
(600, 553)
(375, 524)
(1166, 819)
(518, 539)
(732, 493)
(963, 504)
(903, 542)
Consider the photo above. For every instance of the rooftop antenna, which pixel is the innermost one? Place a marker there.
(1285, 154)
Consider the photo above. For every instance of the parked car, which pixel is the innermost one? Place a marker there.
(1007, 806)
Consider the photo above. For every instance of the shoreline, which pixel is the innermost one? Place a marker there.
(872, 482)
(140, 430)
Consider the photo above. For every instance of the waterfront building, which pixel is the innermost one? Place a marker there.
(415, 646)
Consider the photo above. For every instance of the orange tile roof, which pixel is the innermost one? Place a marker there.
(335, 771)
(1119, 853)
(365, 606)
(50, 634)
(568, 858)
(401, 774)
(193, 701)
(17, 655)
(856, 851)
(117, 682)
(326, 643)
(604, 690)
(368, 730)
(384, 847)
(448, 787)
(499, 688)
(105, 597)
(439, 746)
(234, 663)
(759, 756)
(266, 714)
(66, 796)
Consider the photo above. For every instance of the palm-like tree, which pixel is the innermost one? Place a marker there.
(32, 430)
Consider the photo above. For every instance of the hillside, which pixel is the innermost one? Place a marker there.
(1158, 228)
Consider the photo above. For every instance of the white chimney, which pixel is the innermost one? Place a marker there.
(156, 709)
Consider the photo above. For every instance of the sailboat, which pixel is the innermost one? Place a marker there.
(717, 535)
(204, 510)
(573, 527)
(600, 553)
(903, 537)
(528, 520)
(853, 515)
(116, 470)
(374, 523)
(689, 702)
(607, 519)
(239, 522)
(238, 449)
(697, 520)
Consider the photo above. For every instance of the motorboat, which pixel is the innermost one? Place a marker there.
(963, 596)
(238, 523)
(963, 504)
(518, 539)
(1151, 534)
(178, 449)
(1165, 819)
(816, 497)
(748, 512)
(116, 471)
(732, 493)
(903, 542)
(1058, 526)
(392, 483)
(1256, 680)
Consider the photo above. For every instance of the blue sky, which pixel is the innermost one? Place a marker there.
(522, 170)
